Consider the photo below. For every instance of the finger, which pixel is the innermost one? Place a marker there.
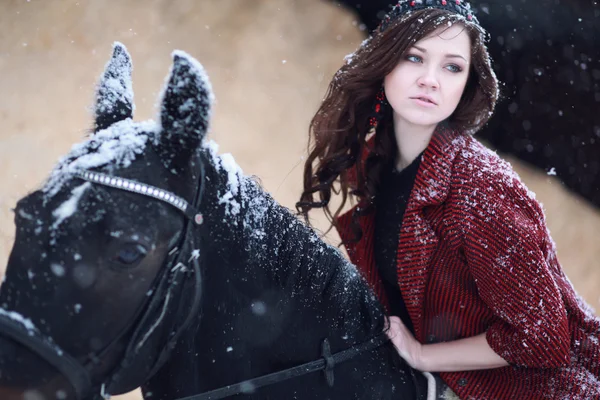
(393, 335)
(396, 325)
(393, 322)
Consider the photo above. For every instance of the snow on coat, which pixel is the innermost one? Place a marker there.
(475, 256)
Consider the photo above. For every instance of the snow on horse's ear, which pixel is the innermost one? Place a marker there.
(185, 110)
(114, 96)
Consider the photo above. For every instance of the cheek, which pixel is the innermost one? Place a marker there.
(388, 85)
(456, 92)
(395, 79)
(395, 86)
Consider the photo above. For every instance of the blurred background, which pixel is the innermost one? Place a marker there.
(270, 62)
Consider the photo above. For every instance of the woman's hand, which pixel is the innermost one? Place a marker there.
(467, 354)
(408, 347)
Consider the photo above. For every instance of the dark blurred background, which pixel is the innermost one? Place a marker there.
(546, 52)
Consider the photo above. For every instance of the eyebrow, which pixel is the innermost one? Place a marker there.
(447, 55)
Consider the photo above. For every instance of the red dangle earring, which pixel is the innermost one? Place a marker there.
(378, 109)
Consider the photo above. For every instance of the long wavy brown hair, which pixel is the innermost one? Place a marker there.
(339, 130)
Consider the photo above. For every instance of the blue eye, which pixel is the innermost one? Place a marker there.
(412, 58)
(130, 254)
(455, 68)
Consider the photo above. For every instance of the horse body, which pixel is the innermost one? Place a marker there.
(104, 282)
(285, 291)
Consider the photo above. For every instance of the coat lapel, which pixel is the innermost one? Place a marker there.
(418, 240)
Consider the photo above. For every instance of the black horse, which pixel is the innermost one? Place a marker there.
(148, 260)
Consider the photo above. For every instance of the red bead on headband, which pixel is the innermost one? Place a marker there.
(460, 7)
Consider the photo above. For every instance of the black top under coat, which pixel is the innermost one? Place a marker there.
(391, 201)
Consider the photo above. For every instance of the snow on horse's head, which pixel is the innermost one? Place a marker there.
(87, 254)
(148, 259)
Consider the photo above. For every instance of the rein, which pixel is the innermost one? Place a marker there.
(326, 363)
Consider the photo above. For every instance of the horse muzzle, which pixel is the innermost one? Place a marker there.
(32, 367)
(24, 375)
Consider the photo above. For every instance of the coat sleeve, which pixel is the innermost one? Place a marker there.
(511, 257)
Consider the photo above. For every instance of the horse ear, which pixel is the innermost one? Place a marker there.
(185, 107)
(114, 97)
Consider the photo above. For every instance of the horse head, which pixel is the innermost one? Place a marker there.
(103, 251)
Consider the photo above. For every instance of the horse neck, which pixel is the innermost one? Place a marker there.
(271, 273)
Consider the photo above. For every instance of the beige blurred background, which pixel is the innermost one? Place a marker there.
(269, 61)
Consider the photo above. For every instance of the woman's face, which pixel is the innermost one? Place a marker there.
(435, 69)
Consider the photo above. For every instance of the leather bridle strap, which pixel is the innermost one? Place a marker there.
(326, 363)
(52, 354)
(189, 210)
(76, 373)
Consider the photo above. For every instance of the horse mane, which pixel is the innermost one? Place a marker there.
(319, 271)
(296, 258)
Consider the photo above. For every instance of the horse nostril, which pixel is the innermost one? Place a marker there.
(24, 375)
(16, 362)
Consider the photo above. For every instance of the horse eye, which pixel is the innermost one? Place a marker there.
(130, 254)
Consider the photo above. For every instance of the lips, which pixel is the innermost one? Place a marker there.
(425, 98)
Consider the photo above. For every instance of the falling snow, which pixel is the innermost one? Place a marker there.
(68, 208)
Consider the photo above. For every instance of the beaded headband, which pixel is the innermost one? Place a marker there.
(141, 188)
(460, 7)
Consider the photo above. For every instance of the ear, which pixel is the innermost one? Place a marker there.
(185, 109)
(114, 97)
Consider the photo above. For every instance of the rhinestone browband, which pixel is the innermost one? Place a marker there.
(143, 189)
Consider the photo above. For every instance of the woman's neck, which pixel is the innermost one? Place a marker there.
(411, 140)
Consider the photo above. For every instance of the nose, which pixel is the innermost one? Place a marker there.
(8, 349)
(428, 80)
(11, 394)
(25, 376)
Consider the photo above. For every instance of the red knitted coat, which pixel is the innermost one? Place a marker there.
(475, 256)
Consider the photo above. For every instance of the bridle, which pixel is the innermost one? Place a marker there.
(171, 281)
(175, 270)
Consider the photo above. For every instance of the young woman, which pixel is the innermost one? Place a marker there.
(452, 242)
